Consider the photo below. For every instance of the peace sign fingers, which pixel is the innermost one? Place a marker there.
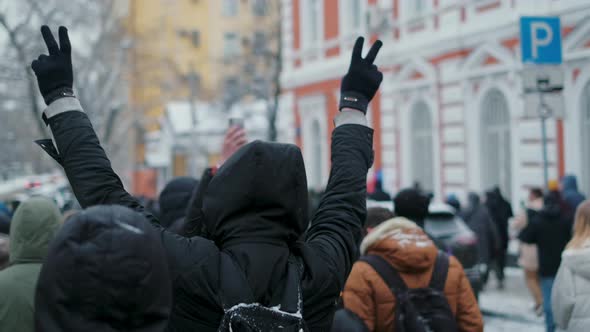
(49, 40)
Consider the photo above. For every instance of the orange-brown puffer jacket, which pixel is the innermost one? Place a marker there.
(409, 250)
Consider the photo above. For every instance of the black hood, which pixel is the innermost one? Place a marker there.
(105, 271)
(258, 195)
(174, 199)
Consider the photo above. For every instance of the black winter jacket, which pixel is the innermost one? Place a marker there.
(550, 230)
(255, 212)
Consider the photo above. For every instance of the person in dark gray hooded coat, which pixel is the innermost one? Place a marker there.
(478, 218)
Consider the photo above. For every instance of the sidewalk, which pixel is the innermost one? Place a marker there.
(509, 309)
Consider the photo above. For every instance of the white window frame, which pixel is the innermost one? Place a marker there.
(230, 8)
(410, 8)
(306, 42)
(313, 109)
(499, 129)
(237, 50)
(430, 134)
(345, 19)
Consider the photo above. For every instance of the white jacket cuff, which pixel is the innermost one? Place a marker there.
(62, 105)
(349, 116)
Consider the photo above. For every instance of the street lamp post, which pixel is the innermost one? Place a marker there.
(545, 112)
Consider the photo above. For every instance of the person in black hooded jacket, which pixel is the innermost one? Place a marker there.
(501, 212)
(254, 208)
(550, 229)
(478, 218)
(174, 202)
(105, 271)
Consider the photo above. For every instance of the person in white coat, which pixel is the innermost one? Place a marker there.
(571, 292)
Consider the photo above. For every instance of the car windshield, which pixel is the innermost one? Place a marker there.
(443, 225)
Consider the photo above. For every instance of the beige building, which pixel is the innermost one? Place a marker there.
(198, 49)
(201, 50)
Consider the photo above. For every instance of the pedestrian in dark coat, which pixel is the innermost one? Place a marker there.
(501, 211)
(570, 193)
(479, 220)
(379, 194)
(105, 271)
(550, 229)
(174, 202)
(254, 208)
(453, 201)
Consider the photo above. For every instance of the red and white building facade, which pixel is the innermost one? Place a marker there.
(450, 113)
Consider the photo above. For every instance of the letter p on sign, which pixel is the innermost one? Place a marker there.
(540, 40)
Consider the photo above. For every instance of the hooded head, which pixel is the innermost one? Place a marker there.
(258, 195)
(453, 201)
(105, 271)
(569, 183)
(403, 243)
(32, 228)
(412, 204)
(174, 199)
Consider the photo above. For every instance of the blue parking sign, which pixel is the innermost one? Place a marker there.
(540, 40)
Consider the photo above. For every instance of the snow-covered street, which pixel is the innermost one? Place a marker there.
(509, 309)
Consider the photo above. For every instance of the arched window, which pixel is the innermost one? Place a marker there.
(316, 141)
(585, 121)
(421, 146)
(495, 143)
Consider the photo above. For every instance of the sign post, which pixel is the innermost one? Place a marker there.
(540, 40)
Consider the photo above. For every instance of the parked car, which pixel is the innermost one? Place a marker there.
(451, 234)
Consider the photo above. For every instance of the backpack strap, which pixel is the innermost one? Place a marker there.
(391, 277)
(440, 271)
(291, 299)
(234, 287)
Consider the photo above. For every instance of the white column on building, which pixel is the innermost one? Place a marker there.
(421, 142)
(585, 146)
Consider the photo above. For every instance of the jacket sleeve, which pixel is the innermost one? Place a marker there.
(358, 296)
(90, 174)
(563, 297)
(529, 233)
(468, 315)
(335, 231)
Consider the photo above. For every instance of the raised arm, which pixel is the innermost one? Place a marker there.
(335, 231)
(77, 148)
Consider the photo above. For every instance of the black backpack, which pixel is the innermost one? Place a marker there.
(242, 314)
(418, 309)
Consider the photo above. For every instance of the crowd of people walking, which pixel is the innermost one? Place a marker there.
(238, 250)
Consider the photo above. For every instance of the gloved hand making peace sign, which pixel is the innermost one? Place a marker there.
(362, 81)
(54, 71)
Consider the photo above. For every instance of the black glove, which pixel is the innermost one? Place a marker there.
(54, 71)
(362, 81)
